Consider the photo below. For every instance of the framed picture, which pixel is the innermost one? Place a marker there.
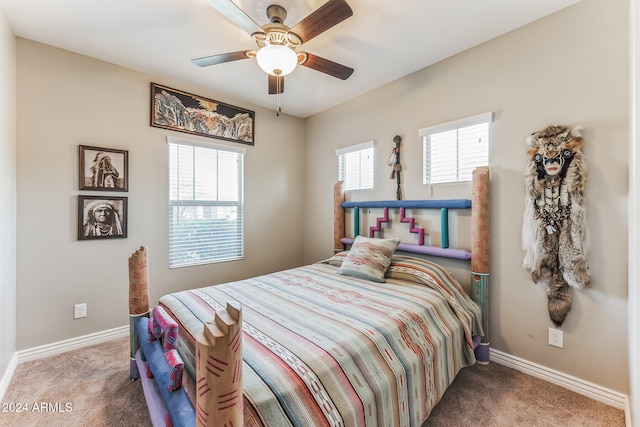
(184, 112)
(103, 169)
(102, 217)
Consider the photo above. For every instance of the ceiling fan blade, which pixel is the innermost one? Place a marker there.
(325, 66)
(320, 20)
(276, 84)
(221, 58)
(236, 15)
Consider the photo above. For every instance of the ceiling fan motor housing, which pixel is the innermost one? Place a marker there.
(276, 32)
(276, 13)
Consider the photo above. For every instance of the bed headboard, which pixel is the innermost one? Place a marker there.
(478, 255)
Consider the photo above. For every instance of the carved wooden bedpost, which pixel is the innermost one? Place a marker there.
(138, 300)
(219, 400)
(480, 253)
(338, 217)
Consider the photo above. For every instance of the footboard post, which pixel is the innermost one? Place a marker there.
(219, 399)
(138, 301)
(480, 253)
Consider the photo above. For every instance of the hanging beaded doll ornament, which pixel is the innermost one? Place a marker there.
(394, 160)
(554, 232)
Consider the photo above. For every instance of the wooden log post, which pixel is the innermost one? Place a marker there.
(138, 300)
(480, 253)
(219, 400)
(480, 221)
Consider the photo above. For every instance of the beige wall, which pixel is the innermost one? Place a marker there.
(65, 100)
(634, 215)
(7, 197)
(568, 68)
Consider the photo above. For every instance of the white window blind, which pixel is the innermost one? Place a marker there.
(355, 166)
(205, 203)
(451, 151)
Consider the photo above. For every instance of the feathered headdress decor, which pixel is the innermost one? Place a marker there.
(554, 232)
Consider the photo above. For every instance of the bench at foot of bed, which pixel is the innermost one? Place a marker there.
(219, 395)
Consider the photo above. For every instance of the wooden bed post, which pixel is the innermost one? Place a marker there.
(480, 253)
(219, 399)
(138, 301)
(338, 217)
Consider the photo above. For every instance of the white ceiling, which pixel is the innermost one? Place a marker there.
(383, 40)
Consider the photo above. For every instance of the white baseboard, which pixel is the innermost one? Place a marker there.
(8, 374)
(71, 344)
(585, 388)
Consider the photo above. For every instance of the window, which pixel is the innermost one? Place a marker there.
(451, 151)
(205, 203)
(355, 166)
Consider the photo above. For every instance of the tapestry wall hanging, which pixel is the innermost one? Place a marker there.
(554, 232)
(184, 112)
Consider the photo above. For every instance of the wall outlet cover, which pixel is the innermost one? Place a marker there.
(80, 310)
(556, 338)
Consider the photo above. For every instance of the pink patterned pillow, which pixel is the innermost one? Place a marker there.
(369, 258)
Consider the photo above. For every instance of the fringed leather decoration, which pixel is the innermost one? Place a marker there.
(554, 232)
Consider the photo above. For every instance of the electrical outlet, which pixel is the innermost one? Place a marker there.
(556, 338)
(80, 310)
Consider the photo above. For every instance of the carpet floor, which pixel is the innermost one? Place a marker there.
(91, 387)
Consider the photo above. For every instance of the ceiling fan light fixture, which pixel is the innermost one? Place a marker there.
(277, 60)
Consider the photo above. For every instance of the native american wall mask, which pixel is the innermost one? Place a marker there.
(554, 231)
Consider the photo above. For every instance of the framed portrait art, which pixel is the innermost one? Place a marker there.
(102, 217)
(185, 112)
(103, 169)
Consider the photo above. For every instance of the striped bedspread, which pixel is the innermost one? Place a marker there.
(325, 349)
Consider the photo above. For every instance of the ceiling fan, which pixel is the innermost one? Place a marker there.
(277, 43)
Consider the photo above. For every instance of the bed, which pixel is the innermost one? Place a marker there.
(369, 336)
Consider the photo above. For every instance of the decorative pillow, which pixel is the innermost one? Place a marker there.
(335, 260)
(369, 258)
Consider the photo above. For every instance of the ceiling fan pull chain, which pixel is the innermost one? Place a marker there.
(278, 105)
